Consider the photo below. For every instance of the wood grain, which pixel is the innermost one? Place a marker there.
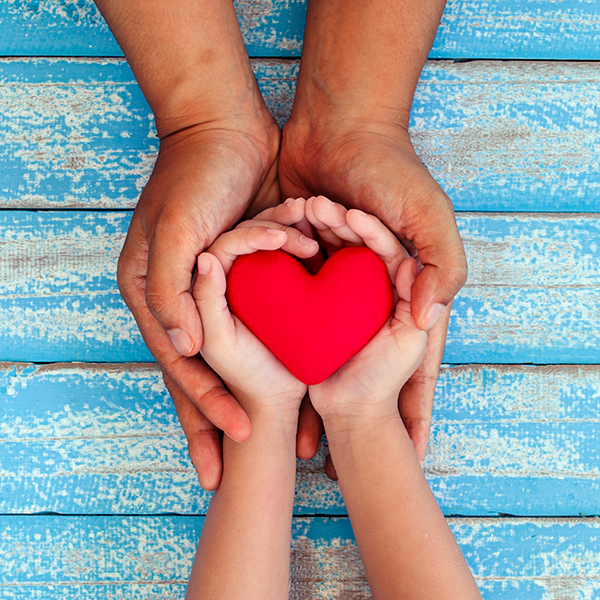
(104, 557)
(504, 29)
(532, 295)
(517, 136)
(105, 439)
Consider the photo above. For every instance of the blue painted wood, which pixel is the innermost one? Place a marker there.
(55, 557)
(511, 135)
(532, 296)
(503, 29)
(62, 298)
(105, 439)
(519, 29)
(80, 134)
(76, 28)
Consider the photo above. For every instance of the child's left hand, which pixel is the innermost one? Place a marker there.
(370, 382)
(250, 371)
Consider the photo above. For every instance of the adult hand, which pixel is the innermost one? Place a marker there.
(217, 158)
(371, 165)
(204, 179)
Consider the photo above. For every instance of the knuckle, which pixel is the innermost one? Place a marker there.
(158, 304)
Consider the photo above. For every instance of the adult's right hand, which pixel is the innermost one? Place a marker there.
(205, 179)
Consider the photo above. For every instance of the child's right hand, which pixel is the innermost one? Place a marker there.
(252, 374)
(368, 385)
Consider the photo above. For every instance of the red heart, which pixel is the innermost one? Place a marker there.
(312, 324)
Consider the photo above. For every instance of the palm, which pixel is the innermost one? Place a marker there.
(378, 370)
(250, 366)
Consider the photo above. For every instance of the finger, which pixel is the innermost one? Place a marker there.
(329, 219)
(203, 438)
(444, 263)
(252, 236)
(378, 238)
(330, 468)
(289, 212)
(196, 381)
(310, 430)
(416, 397)
(209, 293)
(171, 258)
(405, 277)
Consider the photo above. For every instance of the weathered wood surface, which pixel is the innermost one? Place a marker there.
(497, 136)
(113, 558)
(513, 29)
(105, 439)
(533, 293)
(79, 133)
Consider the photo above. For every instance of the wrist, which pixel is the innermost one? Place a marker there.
(232, 100)
(347, 415)
(279, 412)
(351, 431)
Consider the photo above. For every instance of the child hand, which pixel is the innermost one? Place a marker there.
(250, 371)
(368, 385)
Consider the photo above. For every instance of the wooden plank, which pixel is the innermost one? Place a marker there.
(532, 295)
(73, 306)
(69, 28)
(497, 136)
(80, 133)
(514, 136)
(519, 29)
(504, 29)
(105, 439)
(55, 557)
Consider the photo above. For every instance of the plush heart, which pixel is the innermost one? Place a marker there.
(312, 324)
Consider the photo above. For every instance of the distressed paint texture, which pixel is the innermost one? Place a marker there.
(511, 135)
(62, 292)
(513, 29)
(105, 439)
(78, 133)
(54, 557)
(532, 296)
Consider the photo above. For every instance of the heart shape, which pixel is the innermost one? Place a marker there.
(312, 324)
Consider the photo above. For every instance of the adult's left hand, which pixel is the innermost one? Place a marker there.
(371, 165)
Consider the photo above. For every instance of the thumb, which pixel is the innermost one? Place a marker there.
(444, 271)
(171, 261)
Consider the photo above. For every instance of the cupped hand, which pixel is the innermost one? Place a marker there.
(244, 363)
(204, 180)
(382, 367)
(371, 165)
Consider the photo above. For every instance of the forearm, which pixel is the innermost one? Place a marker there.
(244, 548)
(188, 58)
(364, 57)
(406, 545)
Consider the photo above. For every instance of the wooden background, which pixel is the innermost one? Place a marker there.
(98, 498)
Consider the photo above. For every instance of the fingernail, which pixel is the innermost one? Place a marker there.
(291, 201)
(237, 441)
(306, 241)
(433, 314)
(203, 265)
(181, 340)
(275, 231)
